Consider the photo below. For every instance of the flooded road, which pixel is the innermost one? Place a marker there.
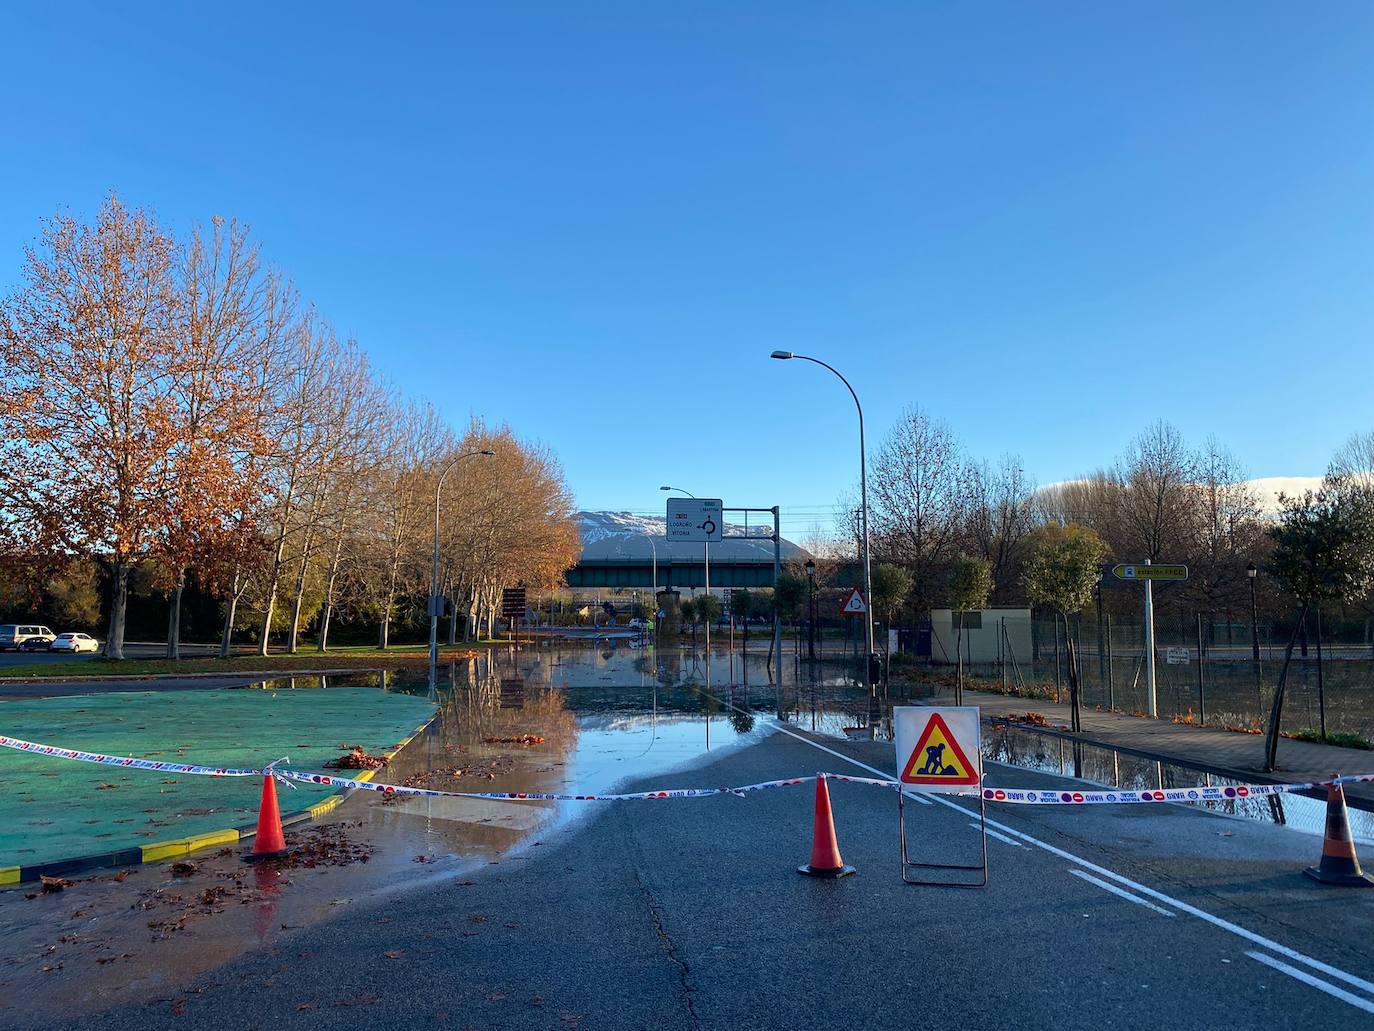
(557, 719)
(547, 718)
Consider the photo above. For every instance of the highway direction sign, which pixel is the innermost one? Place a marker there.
(695, 519)
(1144, 572)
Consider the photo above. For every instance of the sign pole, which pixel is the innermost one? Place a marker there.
(1151, 697)
(777, 575)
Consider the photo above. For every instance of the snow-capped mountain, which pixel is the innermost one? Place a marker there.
(599, 526)
(613, 535)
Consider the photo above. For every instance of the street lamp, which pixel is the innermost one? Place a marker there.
(863, 512)
(653, 594)
(1250, 573)
(811, 610)
(434, 602)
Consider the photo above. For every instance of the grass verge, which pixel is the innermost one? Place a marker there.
(341, 658)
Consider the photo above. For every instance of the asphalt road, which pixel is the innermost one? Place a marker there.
(690, 914)
(132, 650)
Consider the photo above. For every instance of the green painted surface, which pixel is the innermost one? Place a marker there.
(53, 809)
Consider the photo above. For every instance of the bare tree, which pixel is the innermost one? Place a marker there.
(921, 496)
(90, 356)
(1155, 479)
(1002, 515)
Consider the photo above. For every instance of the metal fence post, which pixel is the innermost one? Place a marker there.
(1111, 690)
(1201, 690)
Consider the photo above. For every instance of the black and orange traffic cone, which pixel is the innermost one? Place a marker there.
(1339, 863)
(825, 850)
(269, 842)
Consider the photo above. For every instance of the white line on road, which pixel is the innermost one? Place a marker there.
(1122, 892)
(995, 834)
(1315, 982)
(1201, 914)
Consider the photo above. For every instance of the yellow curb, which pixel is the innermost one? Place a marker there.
(9, 875)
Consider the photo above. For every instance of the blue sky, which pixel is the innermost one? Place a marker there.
(1046, 223)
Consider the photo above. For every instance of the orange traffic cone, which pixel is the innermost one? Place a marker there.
(825, 850)
(1339, 863)
(269, 840)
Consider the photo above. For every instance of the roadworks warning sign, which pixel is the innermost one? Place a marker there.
(938, 748)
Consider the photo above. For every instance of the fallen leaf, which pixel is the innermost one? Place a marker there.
(394, 953)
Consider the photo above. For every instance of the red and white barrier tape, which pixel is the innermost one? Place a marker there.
(1015, 796)
(125, 761)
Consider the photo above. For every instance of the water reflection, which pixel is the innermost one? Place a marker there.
(613, 712)
(1109, 768)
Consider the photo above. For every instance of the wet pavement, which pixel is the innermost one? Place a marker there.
(548, 719)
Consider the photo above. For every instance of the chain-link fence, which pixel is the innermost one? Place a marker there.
(1204, 674)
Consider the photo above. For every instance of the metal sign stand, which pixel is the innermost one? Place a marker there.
(907, 865)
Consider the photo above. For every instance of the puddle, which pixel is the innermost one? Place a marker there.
(551, 717)
(1106, 767)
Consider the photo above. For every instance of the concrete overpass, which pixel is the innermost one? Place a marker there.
(619, 550)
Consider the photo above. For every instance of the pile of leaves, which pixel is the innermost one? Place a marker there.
(357, 759)
(485, 769)
(325, 846)
(518, 739)
(1034, 719)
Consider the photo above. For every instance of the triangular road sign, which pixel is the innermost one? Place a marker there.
(938, 759)
(854, 603)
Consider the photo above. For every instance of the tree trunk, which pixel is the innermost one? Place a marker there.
(227, 634)
(453, 618)
(298, 596)
(1271, 740)
(174, 618)
(119, 606)
(1075, 701)
(959, 662)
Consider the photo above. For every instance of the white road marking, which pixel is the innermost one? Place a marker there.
(1314, 982)
(1122, 892)
(996, 834)
(1201, 914)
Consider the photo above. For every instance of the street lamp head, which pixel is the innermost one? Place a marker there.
(665, 488)
(1250, 570)
(782, 355)
(810, 568)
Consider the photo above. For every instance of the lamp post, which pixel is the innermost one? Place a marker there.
(434, 602)
(811, 610)
(1250, 573)
(653, 593)
(863, 512)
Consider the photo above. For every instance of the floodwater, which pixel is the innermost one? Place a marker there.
(552, 718)
(549, 718)
(1108, 768)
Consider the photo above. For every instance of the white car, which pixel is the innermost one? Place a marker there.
(13, 635)
(74, 643)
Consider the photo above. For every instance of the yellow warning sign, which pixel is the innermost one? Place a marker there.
(939, 758)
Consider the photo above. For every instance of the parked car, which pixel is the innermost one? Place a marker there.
(36, 644)
(74, 643)
(13, 635)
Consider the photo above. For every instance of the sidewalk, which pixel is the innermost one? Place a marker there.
(1224, 752)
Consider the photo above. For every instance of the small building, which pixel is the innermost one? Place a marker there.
(989, 635)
